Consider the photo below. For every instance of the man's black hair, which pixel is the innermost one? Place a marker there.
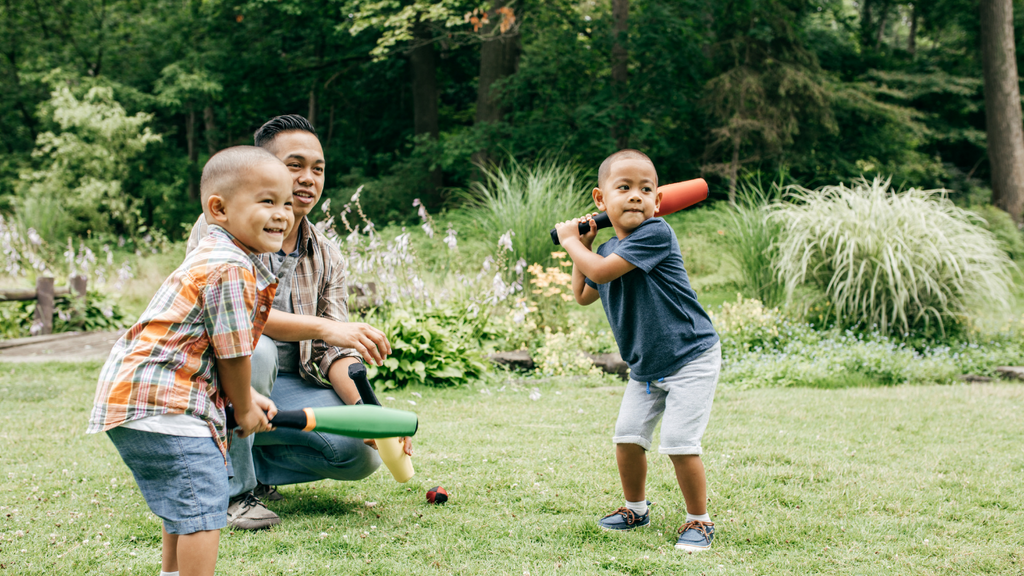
(279, 124)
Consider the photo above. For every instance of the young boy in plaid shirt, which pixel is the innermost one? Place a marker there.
(162, 392)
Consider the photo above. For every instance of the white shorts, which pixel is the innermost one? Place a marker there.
(684, 397)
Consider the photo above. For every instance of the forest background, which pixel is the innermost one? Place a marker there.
(109, 108)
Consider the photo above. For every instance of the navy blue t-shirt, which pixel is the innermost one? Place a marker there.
(654, 314)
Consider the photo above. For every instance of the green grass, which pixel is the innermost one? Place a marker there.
(901, 480)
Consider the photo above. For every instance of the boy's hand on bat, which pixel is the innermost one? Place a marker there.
(266, 405)
(251, 419)
(571, 229)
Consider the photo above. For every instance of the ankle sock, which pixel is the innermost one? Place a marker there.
(702, 517)
(638, 508)
(162, 573)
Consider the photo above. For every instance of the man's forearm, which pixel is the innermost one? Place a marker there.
(288, 327)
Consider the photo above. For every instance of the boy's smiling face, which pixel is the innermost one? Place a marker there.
(629, 194)
(258, 212)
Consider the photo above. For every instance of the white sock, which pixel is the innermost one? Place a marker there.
(162, 573)
(638, 508)
(702, 517)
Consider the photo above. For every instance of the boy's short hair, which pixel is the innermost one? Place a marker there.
(286, 123)
(624, 154)
(223, 168)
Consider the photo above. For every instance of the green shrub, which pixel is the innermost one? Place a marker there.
(529, 201)
(100, 312)
(908, 262)
(1002, 226)
(434, 346)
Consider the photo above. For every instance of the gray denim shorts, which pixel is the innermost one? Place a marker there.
(684, 398)
(184, 480)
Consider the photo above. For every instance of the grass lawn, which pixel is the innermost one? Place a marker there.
(904, 480)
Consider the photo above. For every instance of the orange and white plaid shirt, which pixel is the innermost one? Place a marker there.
(318, 289)
(213, 306)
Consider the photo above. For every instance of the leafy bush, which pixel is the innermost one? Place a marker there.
(100, 312)
(1002, 226)
(908, 262)
(434, 347)
(529, 201)
(761, 347)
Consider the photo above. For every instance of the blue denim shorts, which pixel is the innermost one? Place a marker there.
(184, 480)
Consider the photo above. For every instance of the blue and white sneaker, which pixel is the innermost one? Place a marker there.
(625, 519)
(696, 536)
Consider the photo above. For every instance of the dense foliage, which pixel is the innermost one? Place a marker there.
(829, 88)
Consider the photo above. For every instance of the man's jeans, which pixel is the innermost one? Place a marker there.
(287, 456)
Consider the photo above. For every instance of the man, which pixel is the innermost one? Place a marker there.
(307, 346)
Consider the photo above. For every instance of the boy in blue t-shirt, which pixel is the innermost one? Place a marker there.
(663, 334)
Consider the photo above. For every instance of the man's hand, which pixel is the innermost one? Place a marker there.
(370, 342)
(265, 404)
(406, 442)
(571, 229)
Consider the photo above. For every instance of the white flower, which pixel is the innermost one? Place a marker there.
(520, 266)
(34, 237)
(535, 394)
(430, 231)
(450, 240)
(355, 197)
(506, 240)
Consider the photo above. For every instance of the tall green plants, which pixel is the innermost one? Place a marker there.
(751, 241)
(906, 262)
(528, 200)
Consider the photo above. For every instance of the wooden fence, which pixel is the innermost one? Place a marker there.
(44, 294)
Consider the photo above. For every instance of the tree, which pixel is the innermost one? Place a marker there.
(77, 186)
(620, 69)
(1002, 106)
(499, 59)
(188, 90)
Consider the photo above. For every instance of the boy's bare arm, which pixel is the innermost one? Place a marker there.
(594, 266)
(585, 295)
(234, 376)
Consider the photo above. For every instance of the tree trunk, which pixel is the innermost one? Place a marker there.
(423, 62)
(912, 39)
(734, 168)
(1002, 106)
(311, 116)
(499, 58)
(193, 154)
(210, 125)
(620, 71)
(881, 26)
(865, 23)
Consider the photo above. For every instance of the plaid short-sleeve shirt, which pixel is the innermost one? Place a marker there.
(318, 289)
(213, 306)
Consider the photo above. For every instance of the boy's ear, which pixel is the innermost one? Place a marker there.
(216, 209)
(657, 202)
(598, 199)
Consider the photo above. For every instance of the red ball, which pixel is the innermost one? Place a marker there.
(437, 495)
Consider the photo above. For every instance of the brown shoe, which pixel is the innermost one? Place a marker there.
(268, 493)
(246, 512)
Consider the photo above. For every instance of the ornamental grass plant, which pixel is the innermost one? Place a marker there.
(904, 263)
(751, 240)
(528, 200)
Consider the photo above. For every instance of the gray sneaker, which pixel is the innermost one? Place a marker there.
(246, 512)
(268, 493)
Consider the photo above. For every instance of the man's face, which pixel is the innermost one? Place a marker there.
(302, 154)
(258, 213)
(629, 194)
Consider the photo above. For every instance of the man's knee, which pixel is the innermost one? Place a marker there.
(264, 365)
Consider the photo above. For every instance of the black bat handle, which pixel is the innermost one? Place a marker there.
(283, 419)
(357, 372)
(601, 220)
